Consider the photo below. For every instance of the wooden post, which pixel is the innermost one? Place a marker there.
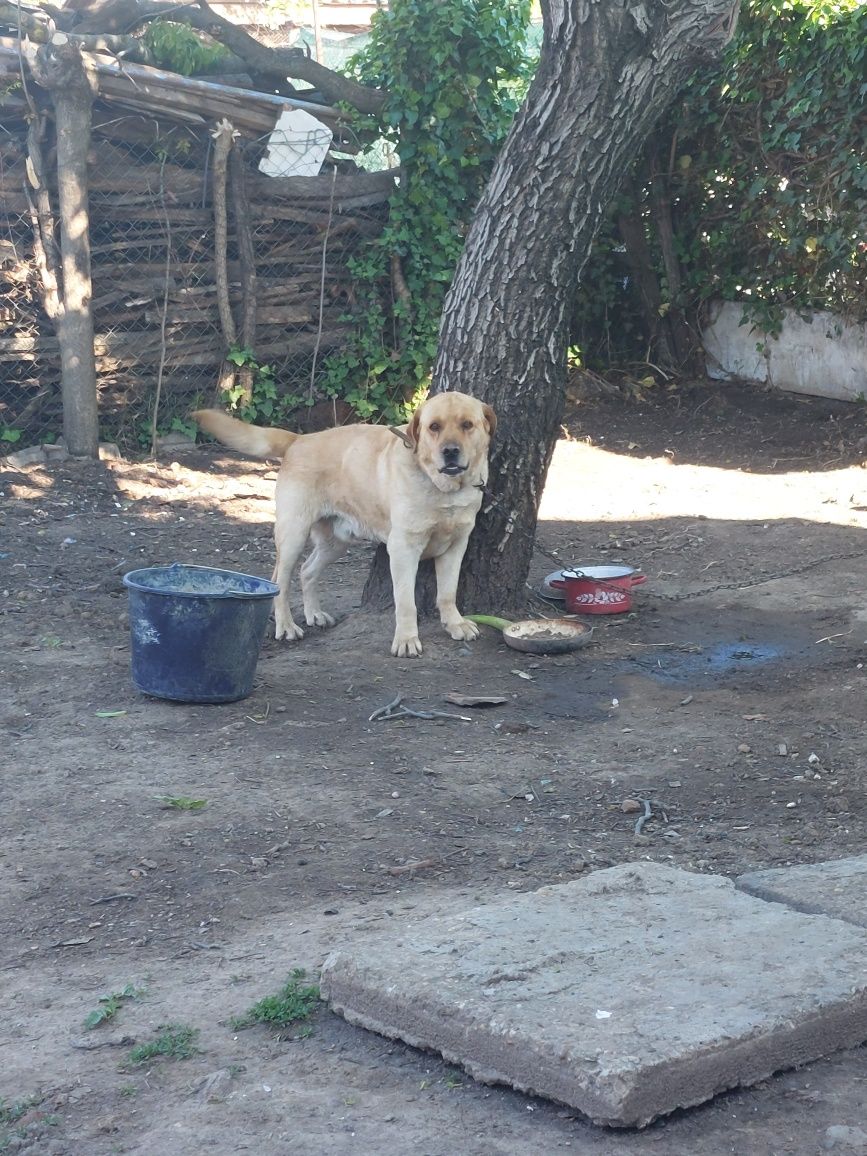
(58, 67)
(247, 259)
(317, 33)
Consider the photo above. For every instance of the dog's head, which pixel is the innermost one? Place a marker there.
(450, 434)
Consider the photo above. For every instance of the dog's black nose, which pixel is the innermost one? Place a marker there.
(451, 453)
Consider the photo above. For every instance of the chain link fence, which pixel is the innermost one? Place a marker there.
(159, 342)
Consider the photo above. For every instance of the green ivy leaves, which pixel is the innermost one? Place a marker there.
(455, 72)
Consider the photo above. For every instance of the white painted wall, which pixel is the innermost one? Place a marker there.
(825, 357)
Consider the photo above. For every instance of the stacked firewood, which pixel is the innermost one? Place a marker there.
(155, 269)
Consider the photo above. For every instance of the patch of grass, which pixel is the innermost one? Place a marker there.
(173, 1041)
(294, 1002)
(10, 1114)
(110, 1005)
(181, 803)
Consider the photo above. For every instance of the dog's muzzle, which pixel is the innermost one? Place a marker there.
(451, 466)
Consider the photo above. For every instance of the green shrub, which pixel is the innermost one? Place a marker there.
(454, 72)
(181, 49)
(760, 171)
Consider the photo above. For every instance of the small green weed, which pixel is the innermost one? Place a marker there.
(181, 803)
(295, 1001)
(174, 1041)
(109, 1006)
(11, 1114)
(264, 402)
(177, 425)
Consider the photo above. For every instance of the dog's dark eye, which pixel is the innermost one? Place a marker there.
(466, 425)
(435, 427)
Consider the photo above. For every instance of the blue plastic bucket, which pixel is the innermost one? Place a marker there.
(196, 632)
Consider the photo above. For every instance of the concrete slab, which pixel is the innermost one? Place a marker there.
(625, 994)
(837, 887)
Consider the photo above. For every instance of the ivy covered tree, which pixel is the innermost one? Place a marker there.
(607, 72)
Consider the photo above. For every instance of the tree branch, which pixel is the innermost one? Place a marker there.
(40, 26)
(271, 65)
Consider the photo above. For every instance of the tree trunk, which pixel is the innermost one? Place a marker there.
(684, 340)
(58, 66)
(645, 282)
(608, 69)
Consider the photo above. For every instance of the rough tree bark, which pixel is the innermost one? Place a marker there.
(58, 67)
(608, 69)
(41, 25)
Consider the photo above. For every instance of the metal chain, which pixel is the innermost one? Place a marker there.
(744, 584)
(738, 584)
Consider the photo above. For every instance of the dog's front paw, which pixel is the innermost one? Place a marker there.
(406, 646)
(318, 618)
(463, 630)
(290, 630)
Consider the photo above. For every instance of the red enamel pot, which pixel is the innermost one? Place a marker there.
(598, 589)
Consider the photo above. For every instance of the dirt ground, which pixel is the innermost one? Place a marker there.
(739, 711)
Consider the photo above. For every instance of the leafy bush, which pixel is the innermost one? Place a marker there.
(180, 48)
(780, 198)
(753, 190)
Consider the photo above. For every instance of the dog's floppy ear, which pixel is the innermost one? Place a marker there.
(413, 429)
(491, 419)
(409, 436)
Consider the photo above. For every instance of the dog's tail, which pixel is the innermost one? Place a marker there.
(256, 440)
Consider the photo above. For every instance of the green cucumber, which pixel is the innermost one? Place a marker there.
(489, 620)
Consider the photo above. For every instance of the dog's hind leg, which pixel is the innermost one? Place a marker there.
(290, 536)
(327, 548)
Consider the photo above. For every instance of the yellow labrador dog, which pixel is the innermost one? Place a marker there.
(419, 493)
